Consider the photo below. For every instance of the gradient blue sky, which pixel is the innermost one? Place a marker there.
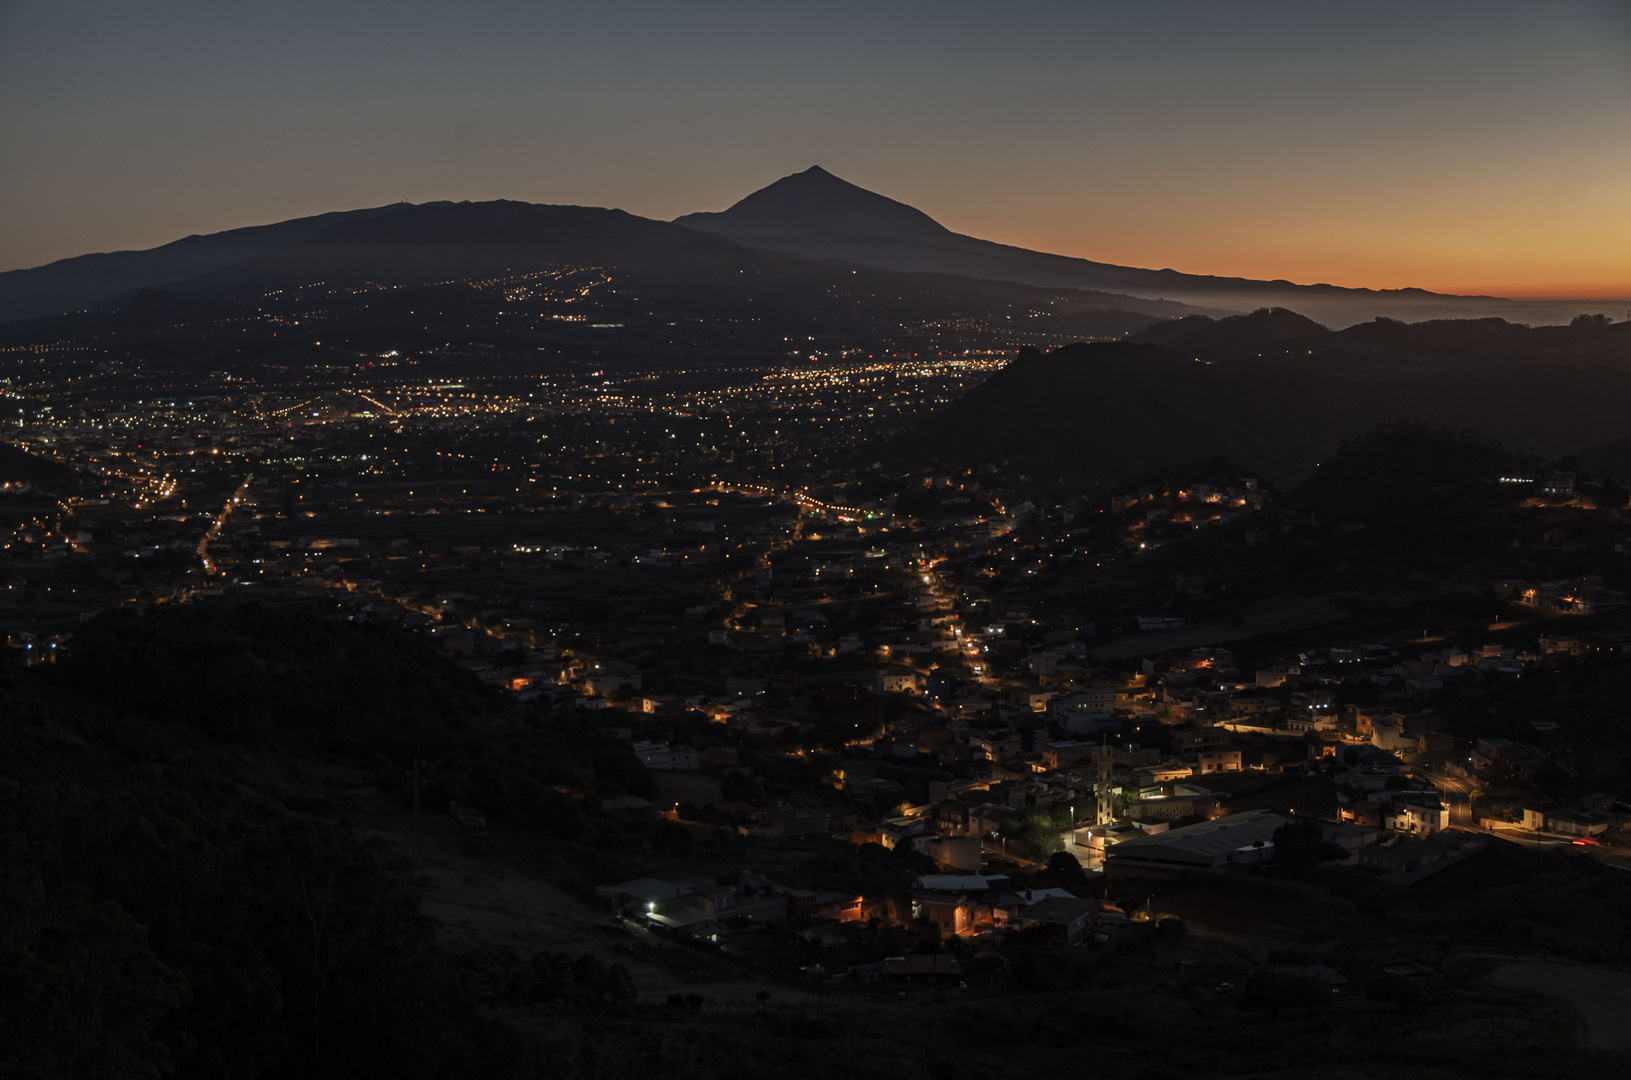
(1470, 147)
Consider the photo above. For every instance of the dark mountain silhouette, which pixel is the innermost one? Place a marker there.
(816, 215)
(156, 309)
(1410, 473)
(1387, 348)
(659, 291)
(809, 216)
(1105, 411)
(1612, 458)
(641, 289)
(419, 244)
(815, 208)
(87, 280)
(812, 215)
(1229, 338)
(19, 466)
(415, 245)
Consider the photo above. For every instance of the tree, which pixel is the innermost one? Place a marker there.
(1066, 868)
(1302, 843)
(1171, 926)
(1038, 829)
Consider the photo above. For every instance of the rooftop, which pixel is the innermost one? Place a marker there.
(1205, 842)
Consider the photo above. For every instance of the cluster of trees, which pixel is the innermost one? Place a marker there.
(1299, 845)
(1038, 831)
(247, 677)
(155, 925)
(585, 983)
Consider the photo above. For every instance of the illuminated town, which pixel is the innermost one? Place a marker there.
(965, 665)
(511, 570)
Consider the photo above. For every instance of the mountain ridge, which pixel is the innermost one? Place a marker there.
(82, 281)
(534, 277)
(812, 215)
(1387, 348)
(1104, 411)
(787, 216)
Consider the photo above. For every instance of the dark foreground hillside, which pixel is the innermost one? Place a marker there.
(178, 899)
(159, 917)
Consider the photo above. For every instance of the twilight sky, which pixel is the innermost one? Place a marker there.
(1459, 146)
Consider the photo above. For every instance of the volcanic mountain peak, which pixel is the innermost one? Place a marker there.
(816, 201)
(814, 215)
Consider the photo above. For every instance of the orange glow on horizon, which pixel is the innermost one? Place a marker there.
(1403, 215)
(1564, 256)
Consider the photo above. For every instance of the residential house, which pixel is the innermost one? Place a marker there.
(1506, 757)
(1398, 731)
(640, 893)
(1081, 717)
(785, 820)
(1153, 776)
(823, 904)
(997, 745)
(1567, 822)
(1069, 755)
(891, 832)
(1095, 698)
(897, 682)
(1370, 768)
(1277, 676)
(1350, 837)
(1366, 813)
(699, 905)
(1420, 813)
(1216, 760)
(956, 817)
(1065, 922)
(666, 758)
(950, 910)
(955, 852)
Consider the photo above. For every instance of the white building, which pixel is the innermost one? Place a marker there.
(656, 755)
(897, 682)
